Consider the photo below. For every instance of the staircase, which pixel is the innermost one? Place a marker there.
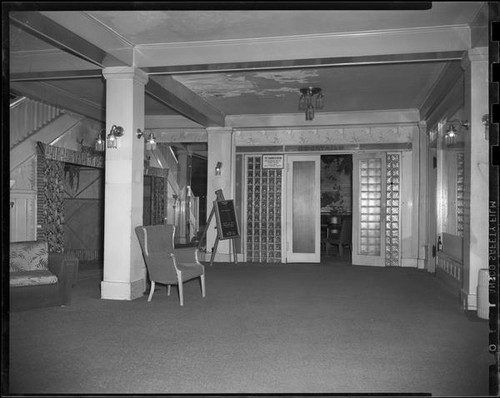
(27, 116)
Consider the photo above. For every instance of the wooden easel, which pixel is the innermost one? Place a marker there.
(219, 197)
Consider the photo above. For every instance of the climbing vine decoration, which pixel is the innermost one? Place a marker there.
(53, 211)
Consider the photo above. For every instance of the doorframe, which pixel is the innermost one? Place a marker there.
(287, 204)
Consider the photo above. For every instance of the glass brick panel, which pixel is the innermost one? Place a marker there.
(264, 212)
(370, 210)
(392, 210)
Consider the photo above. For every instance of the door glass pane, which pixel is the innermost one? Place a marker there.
(303, 211)
(370, 174)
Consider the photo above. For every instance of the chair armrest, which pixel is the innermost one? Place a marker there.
(186, 255)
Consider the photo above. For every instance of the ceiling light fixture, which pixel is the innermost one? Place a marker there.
(310, 95)
(150, 141)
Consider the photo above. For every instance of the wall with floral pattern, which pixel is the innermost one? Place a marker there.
(336, 184)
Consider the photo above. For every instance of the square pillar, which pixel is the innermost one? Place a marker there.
(124, 270)
(423, 203)
(220, 149)
(476, 173)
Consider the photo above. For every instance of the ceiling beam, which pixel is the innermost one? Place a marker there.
(50, 94)
(306, 63)
(61, 37)
(55, 75)
(170, 92)
(345, 48)
(448, 78)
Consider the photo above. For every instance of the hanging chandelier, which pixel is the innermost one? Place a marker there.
(311, 98)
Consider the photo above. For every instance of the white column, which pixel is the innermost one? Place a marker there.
(220, 149)
(182, 235)
(124, 272)
(476, 173)
(423, 204)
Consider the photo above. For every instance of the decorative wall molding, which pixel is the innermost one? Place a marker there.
(326, 137)
(88, 158)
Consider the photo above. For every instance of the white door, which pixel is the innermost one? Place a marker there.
(369, 187)
(303, 209)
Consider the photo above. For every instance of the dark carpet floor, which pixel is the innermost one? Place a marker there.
(286, 328)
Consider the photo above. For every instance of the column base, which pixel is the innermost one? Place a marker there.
(468, 301)
(122, 290)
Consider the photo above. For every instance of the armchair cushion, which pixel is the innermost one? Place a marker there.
(32, 278)
(29, 256)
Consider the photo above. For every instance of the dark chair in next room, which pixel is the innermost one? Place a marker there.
(343, 238)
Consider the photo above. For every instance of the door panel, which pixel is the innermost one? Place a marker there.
(303, 208)
(369, 198)
(432, 222)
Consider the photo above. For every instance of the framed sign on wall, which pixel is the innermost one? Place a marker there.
(272, 161)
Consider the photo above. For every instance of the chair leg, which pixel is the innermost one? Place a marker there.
(168, 289)
(151, 291)
(202, 280)
(181, 293)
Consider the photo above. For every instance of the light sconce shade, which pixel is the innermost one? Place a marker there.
(150, 141)
(112, 139)
(218, 168)
(100, 144)
(486, 123)
(454, 127)
(311, 98)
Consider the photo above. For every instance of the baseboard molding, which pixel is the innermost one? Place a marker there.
(409, 262)
(123, 290)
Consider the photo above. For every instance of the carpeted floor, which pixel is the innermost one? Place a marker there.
(286, 328)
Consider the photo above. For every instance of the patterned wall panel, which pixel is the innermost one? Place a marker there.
(392, 249)
(460, 193)
(264, 198)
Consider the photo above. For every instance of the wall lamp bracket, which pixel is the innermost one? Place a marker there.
(454, 126)
(150, 140)
(112, 138)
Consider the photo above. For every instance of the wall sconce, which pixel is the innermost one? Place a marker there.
(218, 168)
(486, 123)
(150, 141)
(99, 142)
(453, 127)
(114, 133)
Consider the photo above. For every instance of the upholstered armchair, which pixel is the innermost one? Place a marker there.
(165, 264)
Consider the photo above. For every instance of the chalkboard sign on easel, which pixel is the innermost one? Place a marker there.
(227, 223)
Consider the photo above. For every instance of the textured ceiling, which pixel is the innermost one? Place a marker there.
(254, 92)
(148, 27)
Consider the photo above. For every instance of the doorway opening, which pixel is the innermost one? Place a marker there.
(336, 207)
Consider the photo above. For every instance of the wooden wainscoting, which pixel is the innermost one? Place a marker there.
(449, 267)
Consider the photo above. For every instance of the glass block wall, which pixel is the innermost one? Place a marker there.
(370, 174)
(264, 196)
(460, 193)
(392, 256)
